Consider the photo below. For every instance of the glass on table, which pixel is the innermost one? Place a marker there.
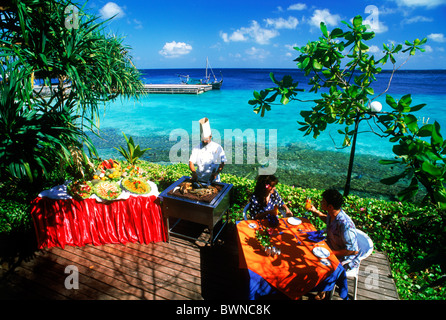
(308, 204)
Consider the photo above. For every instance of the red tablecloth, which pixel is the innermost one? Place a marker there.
(77, 223)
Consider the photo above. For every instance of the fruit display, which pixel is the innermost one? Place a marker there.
(135, 185)
(108, 181)
(132, 171)
(107, 170)
(107, 190)
(80, 189)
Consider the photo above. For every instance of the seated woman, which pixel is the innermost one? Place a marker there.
(265, 198)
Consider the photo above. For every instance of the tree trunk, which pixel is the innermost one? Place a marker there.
(352, 158)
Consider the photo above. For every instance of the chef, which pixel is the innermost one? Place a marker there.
(208, 158)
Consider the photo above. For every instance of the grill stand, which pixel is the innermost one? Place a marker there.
(204, 213)
(211, 232)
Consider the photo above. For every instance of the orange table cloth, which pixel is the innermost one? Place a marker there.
(60, 222)
(296, 271)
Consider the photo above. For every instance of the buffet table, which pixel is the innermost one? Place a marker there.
(60, 220)
(305, 264)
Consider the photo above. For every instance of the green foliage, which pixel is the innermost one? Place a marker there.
(14, 215)
(80, 69)
(339, 65)
(133, 153)
(32, 141)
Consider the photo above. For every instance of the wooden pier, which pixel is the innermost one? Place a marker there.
(177, 88)
(154, 88)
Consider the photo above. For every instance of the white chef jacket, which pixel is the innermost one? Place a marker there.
(207, 158)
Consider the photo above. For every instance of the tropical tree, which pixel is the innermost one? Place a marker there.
(78, 66)
(339, 65)
(30, 138)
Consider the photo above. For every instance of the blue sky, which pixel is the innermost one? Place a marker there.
(262, 34)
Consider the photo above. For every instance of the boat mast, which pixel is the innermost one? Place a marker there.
(207, 62)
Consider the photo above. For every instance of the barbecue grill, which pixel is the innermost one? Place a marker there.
(201, 212)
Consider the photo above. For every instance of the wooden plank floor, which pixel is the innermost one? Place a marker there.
(179, 270)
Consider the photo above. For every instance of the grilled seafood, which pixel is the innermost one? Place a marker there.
(187, 187)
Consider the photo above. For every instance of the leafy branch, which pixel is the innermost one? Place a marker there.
(133, 152)
(339, 65)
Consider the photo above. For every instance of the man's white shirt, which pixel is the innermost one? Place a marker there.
(207, 158)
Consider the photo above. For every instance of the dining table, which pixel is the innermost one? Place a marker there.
(61, 220)
(302, 263)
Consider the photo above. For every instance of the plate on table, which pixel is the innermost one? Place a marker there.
(294, 221)
(252, 225)
(135, 185)
(326, 262)
(107, 190)
(321, 252)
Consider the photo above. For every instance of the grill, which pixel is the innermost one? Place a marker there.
(201, 212)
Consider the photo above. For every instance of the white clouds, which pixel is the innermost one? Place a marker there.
(437, 37)
(325, 16)
(137, 23)
(374, 49)
(420, 3)
(175, 49)
(376, 26)
(291, 46)
(281, 23)
(417, 19)
(235, 36)
(297, 7)
(255, 32)
(428, 48)
(111, 9)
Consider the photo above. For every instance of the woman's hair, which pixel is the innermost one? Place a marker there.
(261, 190)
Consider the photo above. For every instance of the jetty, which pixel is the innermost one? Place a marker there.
(177, 88)
(152, 88)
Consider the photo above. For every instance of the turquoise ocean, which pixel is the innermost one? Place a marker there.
(161, 121)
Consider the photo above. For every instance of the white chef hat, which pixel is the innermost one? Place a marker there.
(205, 128)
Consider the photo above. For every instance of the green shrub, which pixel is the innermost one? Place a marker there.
(14, 216)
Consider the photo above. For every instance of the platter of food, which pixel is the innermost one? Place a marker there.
(80, 189)
(135, 185)
(107, 190)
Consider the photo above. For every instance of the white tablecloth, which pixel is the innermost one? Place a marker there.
(60, 192)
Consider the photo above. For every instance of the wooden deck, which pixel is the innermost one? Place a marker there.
(179, 270)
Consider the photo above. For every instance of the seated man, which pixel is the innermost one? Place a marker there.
(209, 157)
(341, 231)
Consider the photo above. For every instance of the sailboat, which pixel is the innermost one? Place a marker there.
(216, 84)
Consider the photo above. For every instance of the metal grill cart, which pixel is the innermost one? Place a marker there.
(201, 212)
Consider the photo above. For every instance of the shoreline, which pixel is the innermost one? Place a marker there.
(296, 165)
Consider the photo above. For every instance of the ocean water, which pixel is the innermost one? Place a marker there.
(228, 108)
(156, 118)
